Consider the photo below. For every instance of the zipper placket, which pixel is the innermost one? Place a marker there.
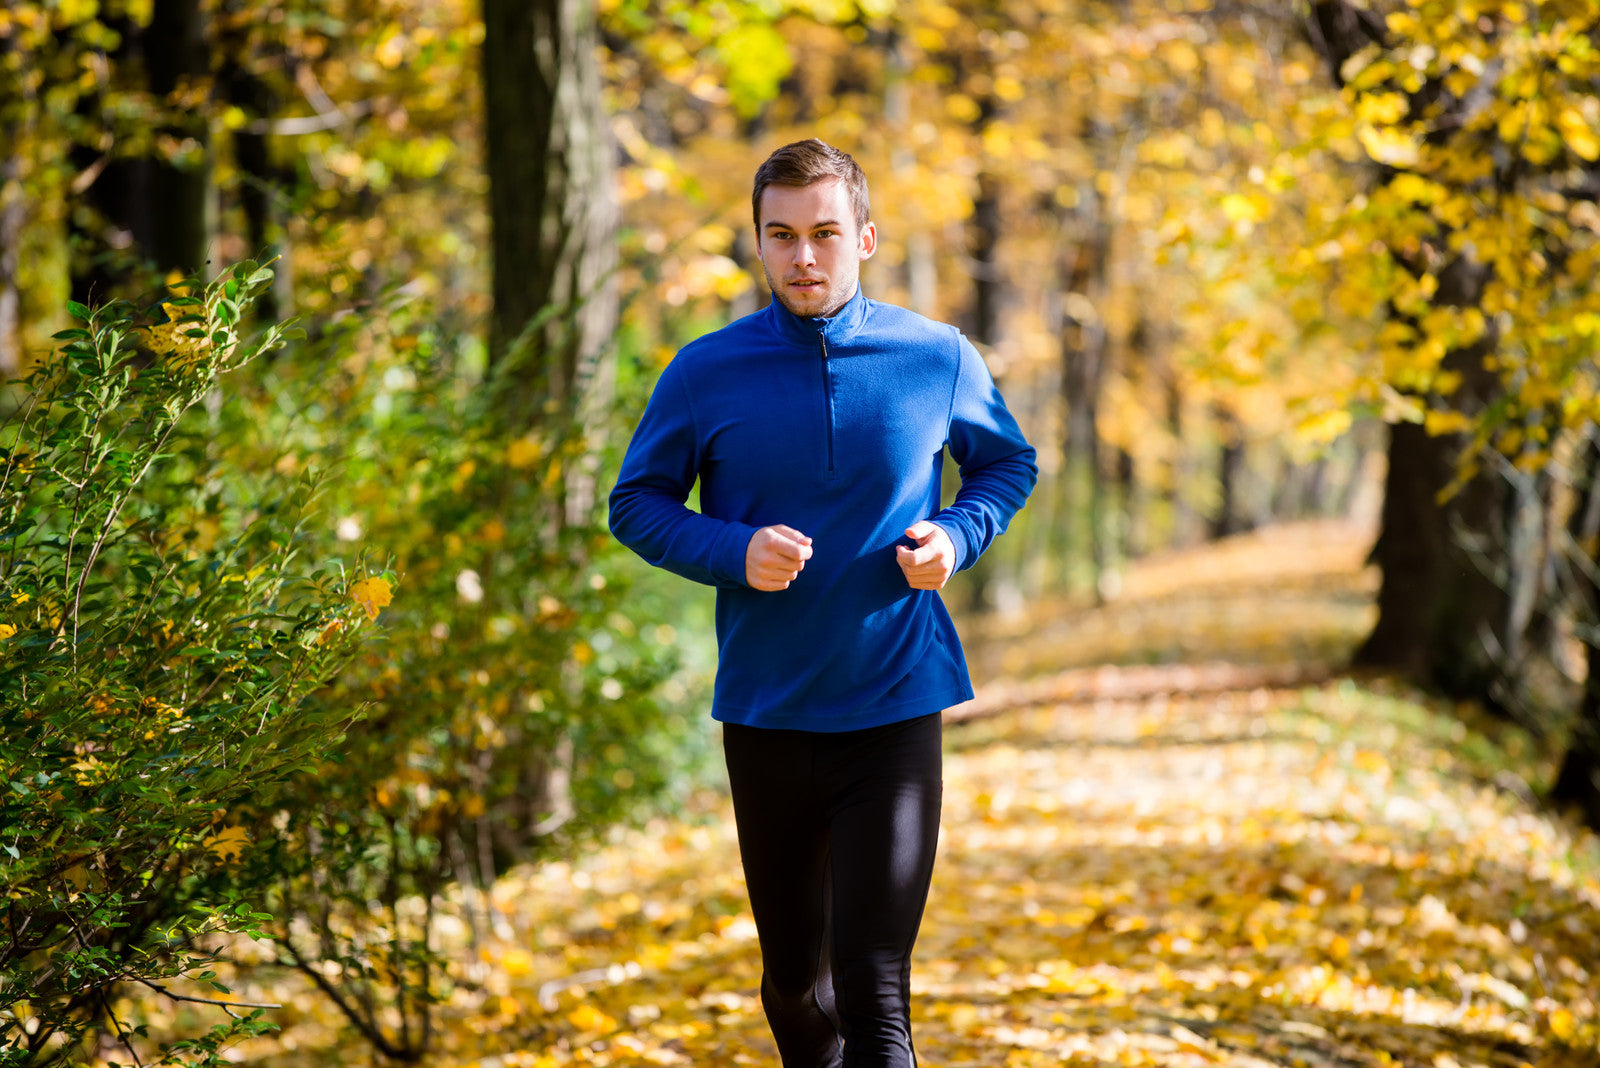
(827, 401)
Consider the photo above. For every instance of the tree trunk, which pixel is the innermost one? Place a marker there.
(12, 217)
(983, 316)
(1443, 606)
(1182, 523)
(1229, 516)
(1441, 611)
(1083, 360)
(1126, 539)
(552, 205)
(261, 181)
(1225, 522)
(177, 223)
(16, 109)
(1147, 346)
(1314, 501)
(1041, 563)
(921, 264)
(1410, 552)
(1578, 782)
(152, 212)
(1528, 555)
(1080, 360)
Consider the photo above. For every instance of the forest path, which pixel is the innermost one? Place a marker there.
(1172, 837)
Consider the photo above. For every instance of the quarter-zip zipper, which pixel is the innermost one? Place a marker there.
(827, 401)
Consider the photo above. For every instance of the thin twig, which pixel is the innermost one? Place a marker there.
(89, 175)
(111, 517)
(549, 989)
(226, 1005)
(122, 1035)
(361, 1023)
(100, 992)
(300, 125)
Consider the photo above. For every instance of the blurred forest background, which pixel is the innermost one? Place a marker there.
(332, 317)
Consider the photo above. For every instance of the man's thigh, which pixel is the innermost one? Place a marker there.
(783, 843)
(884, 834)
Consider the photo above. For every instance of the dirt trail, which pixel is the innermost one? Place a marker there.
(1173, 838)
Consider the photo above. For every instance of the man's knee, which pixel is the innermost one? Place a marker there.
(790, 996)
(873, 987)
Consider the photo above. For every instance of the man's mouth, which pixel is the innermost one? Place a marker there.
(806, 283)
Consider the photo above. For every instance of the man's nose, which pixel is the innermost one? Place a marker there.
(804, 255)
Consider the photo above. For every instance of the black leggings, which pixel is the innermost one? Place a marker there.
(837, 833)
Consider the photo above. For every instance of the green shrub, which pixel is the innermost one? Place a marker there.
(162, 630)
(513, 709)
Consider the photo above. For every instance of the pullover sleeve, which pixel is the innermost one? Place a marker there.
(647, 509)
(998, 467)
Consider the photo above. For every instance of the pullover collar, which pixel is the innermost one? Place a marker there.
(804, 330)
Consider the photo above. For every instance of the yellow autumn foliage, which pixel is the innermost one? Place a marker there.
(371, 594)
(228, 844)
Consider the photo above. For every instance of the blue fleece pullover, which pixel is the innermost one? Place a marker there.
(835, 427)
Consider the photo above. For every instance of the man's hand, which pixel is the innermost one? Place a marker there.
(930, 565)
(776, 554)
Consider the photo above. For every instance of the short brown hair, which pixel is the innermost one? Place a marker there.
(801, 163)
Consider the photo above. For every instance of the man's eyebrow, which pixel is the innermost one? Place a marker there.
(824, 224)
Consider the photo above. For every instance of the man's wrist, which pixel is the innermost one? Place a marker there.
(957, 543)
(731, 553)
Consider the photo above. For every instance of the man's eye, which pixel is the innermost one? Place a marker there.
(824, 233)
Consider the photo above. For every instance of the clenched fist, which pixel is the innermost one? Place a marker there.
(930, 565)
(776, 554)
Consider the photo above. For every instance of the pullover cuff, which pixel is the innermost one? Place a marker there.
(947, 523)
(728, 553)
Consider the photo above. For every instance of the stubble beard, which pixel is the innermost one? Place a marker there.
(831, 302)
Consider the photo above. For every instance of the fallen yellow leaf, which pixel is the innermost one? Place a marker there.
(588, 1018)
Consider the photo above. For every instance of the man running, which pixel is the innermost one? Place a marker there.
(816, 428)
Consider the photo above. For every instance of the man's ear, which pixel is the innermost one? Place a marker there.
(869, 240)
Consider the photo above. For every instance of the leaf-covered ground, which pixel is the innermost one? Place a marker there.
(1172, 836)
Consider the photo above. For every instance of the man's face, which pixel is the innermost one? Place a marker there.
(811, 250)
